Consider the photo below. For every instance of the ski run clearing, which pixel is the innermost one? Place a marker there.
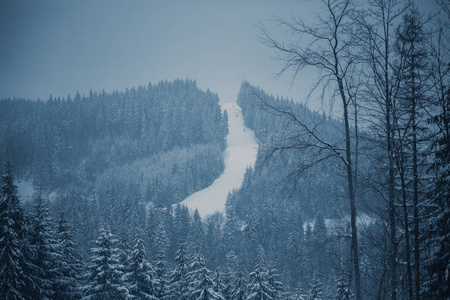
(239, 155)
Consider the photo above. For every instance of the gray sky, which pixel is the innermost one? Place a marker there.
(60, 46)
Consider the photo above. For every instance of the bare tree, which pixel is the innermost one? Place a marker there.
(327, 47)
(376, 39)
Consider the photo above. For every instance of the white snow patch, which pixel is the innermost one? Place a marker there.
(26, 190)
(362, 220)
(239, 155)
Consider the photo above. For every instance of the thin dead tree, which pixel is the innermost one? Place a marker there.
(327, 47)
(376, 39)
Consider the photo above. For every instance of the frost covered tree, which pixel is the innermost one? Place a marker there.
(123, 253)
(327, 46)
(437, 284)
(258, 286)
(342, 288)
(14, 276)
(141, 275)
(239, 287)
(201, 286)
(161, 276)
(46, 254)
(178, 277)
(275, 285)
(70, 265)
(219, 285)
(315, 288)
(104, 278)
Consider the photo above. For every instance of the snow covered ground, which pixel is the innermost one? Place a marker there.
(26, 190)
(240, 153)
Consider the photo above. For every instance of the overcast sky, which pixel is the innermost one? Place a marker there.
(59, 46)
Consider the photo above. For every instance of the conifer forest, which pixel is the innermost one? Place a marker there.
(342, 195)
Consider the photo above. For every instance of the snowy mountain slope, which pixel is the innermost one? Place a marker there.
(240, 153)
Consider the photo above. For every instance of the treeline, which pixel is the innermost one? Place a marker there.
(170, 257)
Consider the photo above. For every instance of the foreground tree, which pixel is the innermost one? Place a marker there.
(105, 275)
(376, 40)
(238, 290)
(437, 266)
(14, 279)
(45, 251)
(258, 286)
(327, 47)
(201, 286)
(411, 46)
(141, 276)
(437, 284)
(178, 278)
(70, 266)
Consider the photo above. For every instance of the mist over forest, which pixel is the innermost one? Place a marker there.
(103, 193)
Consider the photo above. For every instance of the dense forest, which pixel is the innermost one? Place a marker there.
(350, 205)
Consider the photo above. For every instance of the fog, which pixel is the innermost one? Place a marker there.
(60, 47)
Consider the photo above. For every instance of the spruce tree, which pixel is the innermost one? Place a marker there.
(342, 288)
(315, 288)
(227, 284)
(161, 280)
(45, 251)
(275, 285)
(69, 284)
(201, 286)
(141, 275)
(123, 253)
(178, 277)
(14, 279)
(437, 238)
(218, 286)
(239, 285)
(258, 287)
(104, 278)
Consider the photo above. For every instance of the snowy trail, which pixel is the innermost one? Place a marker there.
(240, 153)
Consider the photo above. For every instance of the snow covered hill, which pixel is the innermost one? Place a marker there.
(240, 153)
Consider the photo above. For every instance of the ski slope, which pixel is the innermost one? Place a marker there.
(240, 153)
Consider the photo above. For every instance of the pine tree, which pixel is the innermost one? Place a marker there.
(227, 284)
(218, 286)
(437, 285)
(201, 286)
(44, 247)
(14, 279)
(123, 253)
(315, 288)
(299, 294)
(239, 285)
(69, 284)
(105, 275)
(197, 232)
(319, 244)
(342, 288)
(275, 285)
(161, 280)
(411, 45)
(178, 277)
(258, 287)
(141, 275)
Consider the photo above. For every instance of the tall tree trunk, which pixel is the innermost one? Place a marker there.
(391, 184)
(407, 239)
(415, 187)
(390, 153)
(351, 189)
